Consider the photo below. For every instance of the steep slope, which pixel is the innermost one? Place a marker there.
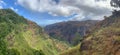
(70, 31)
(103, 41)
(19, 36)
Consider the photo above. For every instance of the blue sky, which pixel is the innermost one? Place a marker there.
(45, 12)
(38, 17)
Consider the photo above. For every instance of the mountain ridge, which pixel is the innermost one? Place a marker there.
(19, 36)
(69, 30)
(105, 40)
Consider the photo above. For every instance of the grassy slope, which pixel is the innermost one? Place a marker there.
(19, 36)
(72, 51)
(104, 41)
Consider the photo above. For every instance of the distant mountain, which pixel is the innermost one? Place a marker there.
(70, 31)
(19, 36)
(103, 41)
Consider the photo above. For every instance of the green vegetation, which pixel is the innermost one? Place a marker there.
(105, 40)
(72, 51)
(70, 31)
(13, 52)
(19, 36)
(77, 39)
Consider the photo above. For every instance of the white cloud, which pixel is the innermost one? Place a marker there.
(16, 10)
(85, 9)
(1, 7)
(2, 3)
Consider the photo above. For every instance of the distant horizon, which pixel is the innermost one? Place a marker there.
(43, 25)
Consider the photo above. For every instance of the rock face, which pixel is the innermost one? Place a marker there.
(105, 40)
(70, 30)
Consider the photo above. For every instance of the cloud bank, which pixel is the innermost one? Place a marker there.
(84, 9)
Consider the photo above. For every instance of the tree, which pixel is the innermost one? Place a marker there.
(13, 52)
(115, 3)
(38, 52)
(78, 38)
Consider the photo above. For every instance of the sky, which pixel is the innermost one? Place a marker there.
(45, 12)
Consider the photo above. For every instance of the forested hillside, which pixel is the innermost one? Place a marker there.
(19, 36)
(105, 40)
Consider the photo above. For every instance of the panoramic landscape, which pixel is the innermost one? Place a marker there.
(59, 27)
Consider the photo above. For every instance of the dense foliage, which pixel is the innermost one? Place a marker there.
(19, 36)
